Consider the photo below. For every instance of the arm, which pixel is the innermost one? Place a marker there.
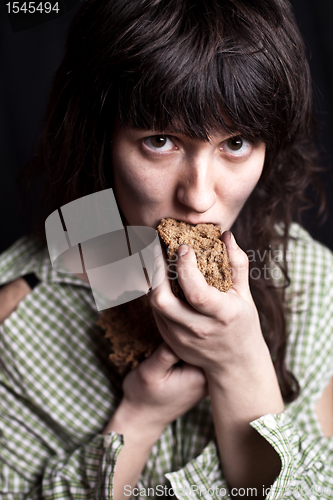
(324, 410)
(47, 462)
(155, 394)
(242, 391)
(138, 441)
(237, 399)
(305, 449)
(221, 334)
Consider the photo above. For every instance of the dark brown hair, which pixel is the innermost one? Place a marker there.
(149, 62)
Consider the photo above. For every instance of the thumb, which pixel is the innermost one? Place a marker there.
(159, 362)
(239, 264)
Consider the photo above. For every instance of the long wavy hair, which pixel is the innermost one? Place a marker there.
(199, 66)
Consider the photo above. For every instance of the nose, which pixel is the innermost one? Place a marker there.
(196, 186)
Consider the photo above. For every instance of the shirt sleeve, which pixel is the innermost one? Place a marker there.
(201, 478)
(86, 474)
(307, 462)
(306, 466)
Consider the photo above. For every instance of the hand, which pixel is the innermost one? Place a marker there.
(214, 330)
(157, 392)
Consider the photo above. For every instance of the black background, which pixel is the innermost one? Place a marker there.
(31, 50)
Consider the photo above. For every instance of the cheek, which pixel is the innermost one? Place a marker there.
(253, 172)
(134, 182)
(237, 191)
(246, 188)
(127, 182)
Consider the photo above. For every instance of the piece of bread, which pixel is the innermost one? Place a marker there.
(131, 327)
(210, 251)
(133, 333)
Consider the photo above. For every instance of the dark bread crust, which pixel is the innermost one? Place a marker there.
(210, 251)
(133, 333)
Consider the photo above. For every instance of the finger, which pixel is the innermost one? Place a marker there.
(159, 267)
(195, 373)
(160, 362)
(239, 263)
(195, 376)
(160, 294)
(164, 302)
(203, 297)
(176, 316)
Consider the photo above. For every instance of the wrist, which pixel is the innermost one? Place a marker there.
(249, 390)
(249, 363)
(135, 424)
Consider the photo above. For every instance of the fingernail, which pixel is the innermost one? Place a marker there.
(229, 236)
(183, 249)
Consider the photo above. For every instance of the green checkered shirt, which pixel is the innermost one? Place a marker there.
(56, 395)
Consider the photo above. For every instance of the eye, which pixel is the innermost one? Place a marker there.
(159, 143)
(237, 146)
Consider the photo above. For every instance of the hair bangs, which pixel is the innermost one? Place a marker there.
(206, 104)
(209, 76)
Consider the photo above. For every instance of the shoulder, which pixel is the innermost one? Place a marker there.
(19, 259)
(309, 261)
(310, 269)
(14, 263)
(29, 255)
(299, 238)
(55, 290)
(310, 305)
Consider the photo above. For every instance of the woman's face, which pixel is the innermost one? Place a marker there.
(160, 175)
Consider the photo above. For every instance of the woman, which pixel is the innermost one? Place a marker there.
(201, 112)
